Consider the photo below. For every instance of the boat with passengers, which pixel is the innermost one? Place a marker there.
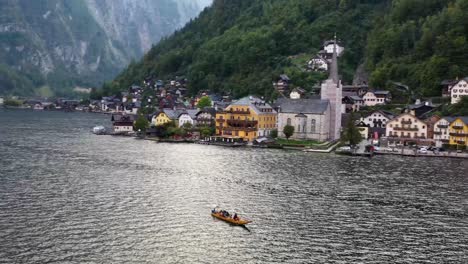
(227, 217)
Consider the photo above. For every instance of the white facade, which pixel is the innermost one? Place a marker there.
(329, 48)
(1, 101)
(459, 90)
(370, 99)
(186, 119)
(376, 119)
(406, 126)
(306, 126)
(441, 131)
(318, 64)
(295, 95)
(123, 128)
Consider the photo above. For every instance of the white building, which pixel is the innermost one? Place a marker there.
(377, 119)
(373, 98)
(406, 127)
(297, 93)
(329, 46)
(122, 124)
(318, 63)
(458, 90)
(441, 131)
(2, 101)
(188, 117)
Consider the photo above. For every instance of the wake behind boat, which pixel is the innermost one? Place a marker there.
(227, 217)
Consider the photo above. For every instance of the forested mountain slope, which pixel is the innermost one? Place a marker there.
(242, 46)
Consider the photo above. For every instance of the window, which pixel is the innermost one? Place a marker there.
(288, 122)
(313, 125)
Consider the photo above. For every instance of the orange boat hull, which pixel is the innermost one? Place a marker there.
(240, 221)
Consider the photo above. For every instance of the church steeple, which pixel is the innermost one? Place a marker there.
(334, 65)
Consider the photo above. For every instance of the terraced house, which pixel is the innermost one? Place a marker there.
(246, 119)
(441, 131)
(459, 132)
(407, 128)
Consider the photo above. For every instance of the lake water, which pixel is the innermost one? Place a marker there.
(68, 196)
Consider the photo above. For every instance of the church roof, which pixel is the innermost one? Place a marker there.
(304, 106)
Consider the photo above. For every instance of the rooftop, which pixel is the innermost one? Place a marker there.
(304, 106)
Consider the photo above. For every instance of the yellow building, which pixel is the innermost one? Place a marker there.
(166, 116)
(246, 119)
(458, 131)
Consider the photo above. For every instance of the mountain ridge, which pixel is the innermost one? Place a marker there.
(57, 44)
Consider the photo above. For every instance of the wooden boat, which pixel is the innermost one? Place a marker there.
(231, 220)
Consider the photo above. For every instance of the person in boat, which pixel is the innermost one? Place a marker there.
(213, 211)
(235, 217)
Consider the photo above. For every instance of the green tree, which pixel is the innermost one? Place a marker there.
(141, 124)
(187, 126)
(274, 133)
(351, 133)
(206, 131)
(205, 101)
(460, 108)
(288, 131)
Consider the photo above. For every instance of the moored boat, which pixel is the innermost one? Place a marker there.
(235, 220)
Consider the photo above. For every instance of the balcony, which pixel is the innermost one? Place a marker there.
(405, 128)
(241, 123)
(437, 133)
(457, 127)
(458, 134)
(237, 112)
(220, 120)
(247, 129)
(406, 122)
(442, 126)
(460, 142)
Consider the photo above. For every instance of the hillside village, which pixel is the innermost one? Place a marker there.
(163, 109)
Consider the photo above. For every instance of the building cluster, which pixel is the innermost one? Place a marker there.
(319, 118)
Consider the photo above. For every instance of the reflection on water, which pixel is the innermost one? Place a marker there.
(69, 196)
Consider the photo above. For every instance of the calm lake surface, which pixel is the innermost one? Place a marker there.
(68, 196)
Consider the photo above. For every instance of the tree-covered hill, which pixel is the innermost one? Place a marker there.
(420, 43)
(242, 46)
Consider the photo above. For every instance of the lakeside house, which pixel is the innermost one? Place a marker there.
(407, 128)
(458, 132)
(246, 119)
(188, 116)
(206, 117)
(441, 131)
(458, 90)
(2, 101)
(167, 115)
(122, 123)
(377, 122)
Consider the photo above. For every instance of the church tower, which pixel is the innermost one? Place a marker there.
(332, 90)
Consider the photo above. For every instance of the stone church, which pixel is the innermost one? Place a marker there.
(317, 119)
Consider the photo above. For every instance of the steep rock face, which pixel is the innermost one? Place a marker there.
(61, 43)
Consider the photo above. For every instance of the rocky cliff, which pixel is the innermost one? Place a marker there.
(59, 44)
